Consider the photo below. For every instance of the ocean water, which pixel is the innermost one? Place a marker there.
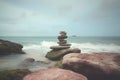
(37, 48)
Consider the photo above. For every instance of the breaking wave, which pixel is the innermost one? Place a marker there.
(39, 50)
(43, 47)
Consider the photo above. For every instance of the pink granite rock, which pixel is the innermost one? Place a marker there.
(55, 74)
(96, 66)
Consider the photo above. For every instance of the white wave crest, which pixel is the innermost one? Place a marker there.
(44, 47)
(99, 47)
(38, 51)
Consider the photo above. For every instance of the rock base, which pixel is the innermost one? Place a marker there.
(58, 54)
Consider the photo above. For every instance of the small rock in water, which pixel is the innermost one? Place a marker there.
(29, 60)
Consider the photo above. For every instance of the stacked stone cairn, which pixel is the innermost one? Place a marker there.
(61, 38)
(62, 42)
(61, 49)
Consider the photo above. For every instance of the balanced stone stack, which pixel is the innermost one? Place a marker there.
(62, 42)
(62, 49)
(61, 38)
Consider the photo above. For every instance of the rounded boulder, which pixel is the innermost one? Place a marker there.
(55, 74)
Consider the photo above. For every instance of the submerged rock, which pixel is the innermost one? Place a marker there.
(7, 47)
(30, 62)
(58, 54)
(27, 62)
(17, 74)
(55, 74)
(96, 66)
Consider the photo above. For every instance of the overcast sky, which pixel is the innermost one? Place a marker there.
(48, 17)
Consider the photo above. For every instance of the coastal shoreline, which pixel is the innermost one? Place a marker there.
(38, 60)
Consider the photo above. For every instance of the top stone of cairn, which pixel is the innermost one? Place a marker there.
(63, 33)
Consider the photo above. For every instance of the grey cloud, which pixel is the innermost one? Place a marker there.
(107, 9)
(8, 20)
(110, 7)
(110, 4)
(64, 10)
(11, 20)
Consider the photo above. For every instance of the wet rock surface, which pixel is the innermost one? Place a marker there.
(58, 54)
(17, 74)
(7, 47)
(55, 74)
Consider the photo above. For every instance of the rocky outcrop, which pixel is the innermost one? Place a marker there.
(96, 66)
(55, 74)
(7, 47)
(17, 74)
(58, 54)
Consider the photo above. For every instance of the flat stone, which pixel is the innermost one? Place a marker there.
(62, 37)
(59, 47)
(65, 44)
(62, 43)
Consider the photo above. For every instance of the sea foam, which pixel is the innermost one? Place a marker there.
(97, 47)
(44, 46)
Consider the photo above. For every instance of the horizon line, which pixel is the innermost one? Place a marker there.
(58, 35)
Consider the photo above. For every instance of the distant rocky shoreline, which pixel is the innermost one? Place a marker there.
(71, 64)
